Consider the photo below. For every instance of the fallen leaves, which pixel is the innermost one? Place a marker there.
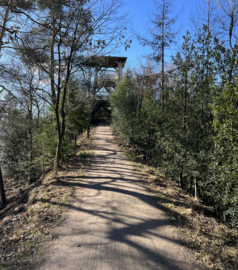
(25, 232)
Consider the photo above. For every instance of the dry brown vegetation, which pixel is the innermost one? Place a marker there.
(26, 224)
(214, 245)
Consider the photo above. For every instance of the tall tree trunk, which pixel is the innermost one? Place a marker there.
(181, 178)
(61, 132)
(195, 187)
(185, 103)
(3, 196)
(88, 130)
(57, 155)
(162, 73)
(31, 133)
(52, 62)
(4, 23)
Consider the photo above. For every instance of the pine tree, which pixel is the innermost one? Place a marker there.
(124, 113)
(162, 37)
(201, 120)
(182, 108)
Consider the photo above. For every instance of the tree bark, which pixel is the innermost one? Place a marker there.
(5, 22)
(88, 131)
(181, 178)
(162, 79)
(52, 62)
(57, 155)
(195, 187)
(61, 124)
(3, 195)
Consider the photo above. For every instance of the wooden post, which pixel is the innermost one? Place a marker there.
(119, 70)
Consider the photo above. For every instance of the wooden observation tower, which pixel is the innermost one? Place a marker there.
(103, 78)
(106, 63)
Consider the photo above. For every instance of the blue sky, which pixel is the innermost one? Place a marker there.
(139, 10)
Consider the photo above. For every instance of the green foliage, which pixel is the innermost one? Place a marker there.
(184, 120)
(46, 142)
(194, 136)
(224, 169)
(77, 109)
(19, 149)
(179, 122)
(28, 144)
(148, 118)
(125, 109)
(77, 119)
(135, 116)
(187, 138)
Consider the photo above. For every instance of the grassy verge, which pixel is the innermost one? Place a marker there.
(214, 245)
(26, 230)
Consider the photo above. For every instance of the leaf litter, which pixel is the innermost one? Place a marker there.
(26, 229)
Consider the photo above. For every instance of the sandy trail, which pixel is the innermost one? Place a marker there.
(114, 223)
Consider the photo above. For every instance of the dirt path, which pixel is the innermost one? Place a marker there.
(114, 223)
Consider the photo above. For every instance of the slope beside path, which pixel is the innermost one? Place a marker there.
(114, 223)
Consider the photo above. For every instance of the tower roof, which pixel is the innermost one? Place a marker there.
(106, 61)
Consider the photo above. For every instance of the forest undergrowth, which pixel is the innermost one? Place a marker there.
(26, 226)
(214, 244)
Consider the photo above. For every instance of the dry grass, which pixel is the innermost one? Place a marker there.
(28, 227)
(214, 245)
